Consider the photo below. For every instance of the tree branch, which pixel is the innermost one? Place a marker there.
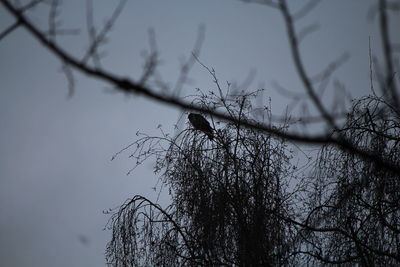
(126, 85)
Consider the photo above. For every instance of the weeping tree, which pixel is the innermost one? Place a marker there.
(228, 196)
(354, 215)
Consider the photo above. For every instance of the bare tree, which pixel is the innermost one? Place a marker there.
(354, 208)
(239, 200)
(225, 194)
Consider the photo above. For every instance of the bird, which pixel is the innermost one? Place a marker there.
(200, 123)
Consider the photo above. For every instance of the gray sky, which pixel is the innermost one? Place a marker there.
(56, 176)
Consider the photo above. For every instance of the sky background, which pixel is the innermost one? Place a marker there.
(56, 176)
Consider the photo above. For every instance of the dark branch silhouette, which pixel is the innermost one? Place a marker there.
(126, 85)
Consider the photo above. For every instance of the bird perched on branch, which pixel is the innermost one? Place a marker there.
(200, 123)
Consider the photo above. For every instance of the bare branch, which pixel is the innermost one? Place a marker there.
(269, 3)
(390, 82)
(307, 8)
(96, 40)
(70, 78)
(128, 86)
(9, 30)
(307, 30)
(52, 20)
(15, 25)
(187, 66)
(299, 64)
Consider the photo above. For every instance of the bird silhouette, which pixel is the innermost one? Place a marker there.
(201, 124)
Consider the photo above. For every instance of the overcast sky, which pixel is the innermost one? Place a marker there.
(56, 176)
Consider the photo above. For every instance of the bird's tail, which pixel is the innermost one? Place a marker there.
(210, 135)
